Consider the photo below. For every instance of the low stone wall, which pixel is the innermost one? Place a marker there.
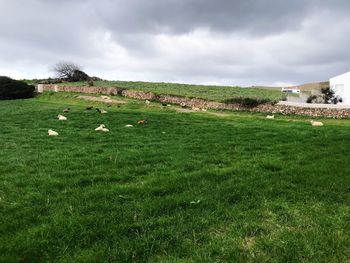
(140, 95)
(201, 103)
(313, 112)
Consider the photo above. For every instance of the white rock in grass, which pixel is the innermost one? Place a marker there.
(103, 111)
(147, 102)
(105, 97)
(61, 117)
(316, 123)
(102, 128)
(195, 202)
(52, 133)
(129, 125)
(270, 117)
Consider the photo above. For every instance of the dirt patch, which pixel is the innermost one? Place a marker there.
(184, 110)
(218, 114)
(103, 99)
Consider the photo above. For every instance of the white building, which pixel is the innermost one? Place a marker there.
(341, 86)
(291, 90)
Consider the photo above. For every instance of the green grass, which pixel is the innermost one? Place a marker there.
(269, 190)
(214, 93)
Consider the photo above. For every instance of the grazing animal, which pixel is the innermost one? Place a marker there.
(61, 117)
(142, 122)
(270, 116)
(90, 107)
(129, 125)
(102, 111)
(316, 123)
(147, 102)
(52, 133)
(66, 110)
(102, 127)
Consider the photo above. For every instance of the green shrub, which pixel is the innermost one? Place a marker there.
(14, 89)
(248, 102)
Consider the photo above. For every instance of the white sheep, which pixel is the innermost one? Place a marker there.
(61, 117)
(102, 127)
(103, 111)
(316, 123)
(270, 116)
(52, 133)
(129, 125)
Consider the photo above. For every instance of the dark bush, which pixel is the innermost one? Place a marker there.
(96, 79)
(90, 83)
(13, 89)
(79, 75)
(248, 102)
(311, 99)
(328, 94)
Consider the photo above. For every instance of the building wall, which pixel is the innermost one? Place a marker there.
(341, 86)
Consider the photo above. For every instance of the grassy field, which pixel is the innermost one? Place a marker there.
(184, 188)
(214, 93)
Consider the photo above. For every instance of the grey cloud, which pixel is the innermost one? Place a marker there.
(246, 41)
(181, 16)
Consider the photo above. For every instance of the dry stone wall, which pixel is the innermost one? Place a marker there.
(201, 103)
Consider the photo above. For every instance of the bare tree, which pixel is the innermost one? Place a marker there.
(65, 70)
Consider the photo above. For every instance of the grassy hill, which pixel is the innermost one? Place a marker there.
(214, 93)
(184, 188)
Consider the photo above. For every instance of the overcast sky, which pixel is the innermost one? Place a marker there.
(232, 42)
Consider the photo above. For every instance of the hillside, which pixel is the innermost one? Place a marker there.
(215, 93)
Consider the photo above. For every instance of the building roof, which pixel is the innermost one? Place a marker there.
(341, 75)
